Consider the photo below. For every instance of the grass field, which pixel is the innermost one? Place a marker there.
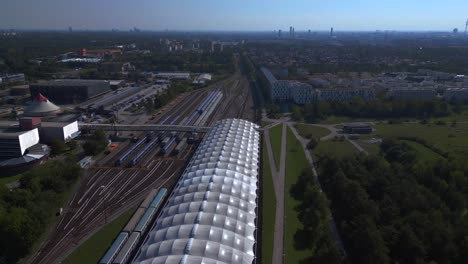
(447, 138)
(424, 154)
(371, 148)
(296, 162)
(316, 132)
(9, 179)
(336, 148)
(264, 123)
(275, 137)
(92, 250)
(268, 210)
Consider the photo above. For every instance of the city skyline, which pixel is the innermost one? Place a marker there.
(243, 15)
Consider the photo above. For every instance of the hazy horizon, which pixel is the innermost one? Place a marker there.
(241, 15)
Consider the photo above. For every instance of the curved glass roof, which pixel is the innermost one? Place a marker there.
(210, 215)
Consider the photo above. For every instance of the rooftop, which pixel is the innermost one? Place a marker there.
(210, 215)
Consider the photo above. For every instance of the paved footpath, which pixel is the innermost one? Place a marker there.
(278, 183)
(332, 223)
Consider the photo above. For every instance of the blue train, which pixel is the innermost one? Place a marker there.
(124, 245)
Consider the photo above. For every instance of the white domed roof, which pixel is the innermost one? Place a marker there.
(41, 106)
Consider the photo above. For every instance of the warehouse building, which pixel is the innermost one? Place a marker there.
(65, 91)
(210, 216)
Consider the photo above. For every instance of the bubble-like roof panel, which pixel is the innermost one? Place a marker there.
(210, 215)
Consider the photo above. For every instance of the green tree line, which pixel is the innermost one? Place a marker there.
(393, 208)
(26, 212)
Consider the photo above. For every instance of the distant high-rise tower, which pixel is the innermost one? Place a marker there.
(331, 32)
(466, 26)
(70, 29)
(279, 33)
(291, 32)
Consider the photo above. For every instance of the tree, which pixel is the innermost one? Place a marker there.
(57, 147)
(312, 143)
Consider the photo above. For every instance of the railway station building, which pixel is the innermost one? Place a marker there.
(210, 216)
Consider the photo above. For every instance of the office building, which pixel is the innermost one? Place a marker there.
(456, 94)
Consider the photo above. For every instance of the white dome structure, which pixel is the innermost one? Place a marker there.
(41, 106)
(210, 216)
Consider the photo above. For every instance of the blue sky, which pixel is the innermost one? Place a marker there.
(235, 15)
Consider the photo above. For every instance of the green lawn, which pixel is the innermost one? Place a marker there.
(424, 154)
(336, 148)
(9, 179)
(316, 132)
(264, 123)
(268, 210)
(296, 162)
(371, 148)
(275, 137)
(447, 138)
(92, 250)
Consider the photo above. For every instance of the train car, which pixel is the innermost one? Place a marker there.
(131, 224)
(126, 251)
(149, 136)
(112, 252)
(146, 203)
(158, 199)
(181, 146)
(165, 141)
(145, 220)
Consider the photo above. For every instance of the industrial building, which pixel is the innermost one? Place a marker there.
(202, 79)
(173, 75)
(69, 91)
(211, 215)
(41, 106)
